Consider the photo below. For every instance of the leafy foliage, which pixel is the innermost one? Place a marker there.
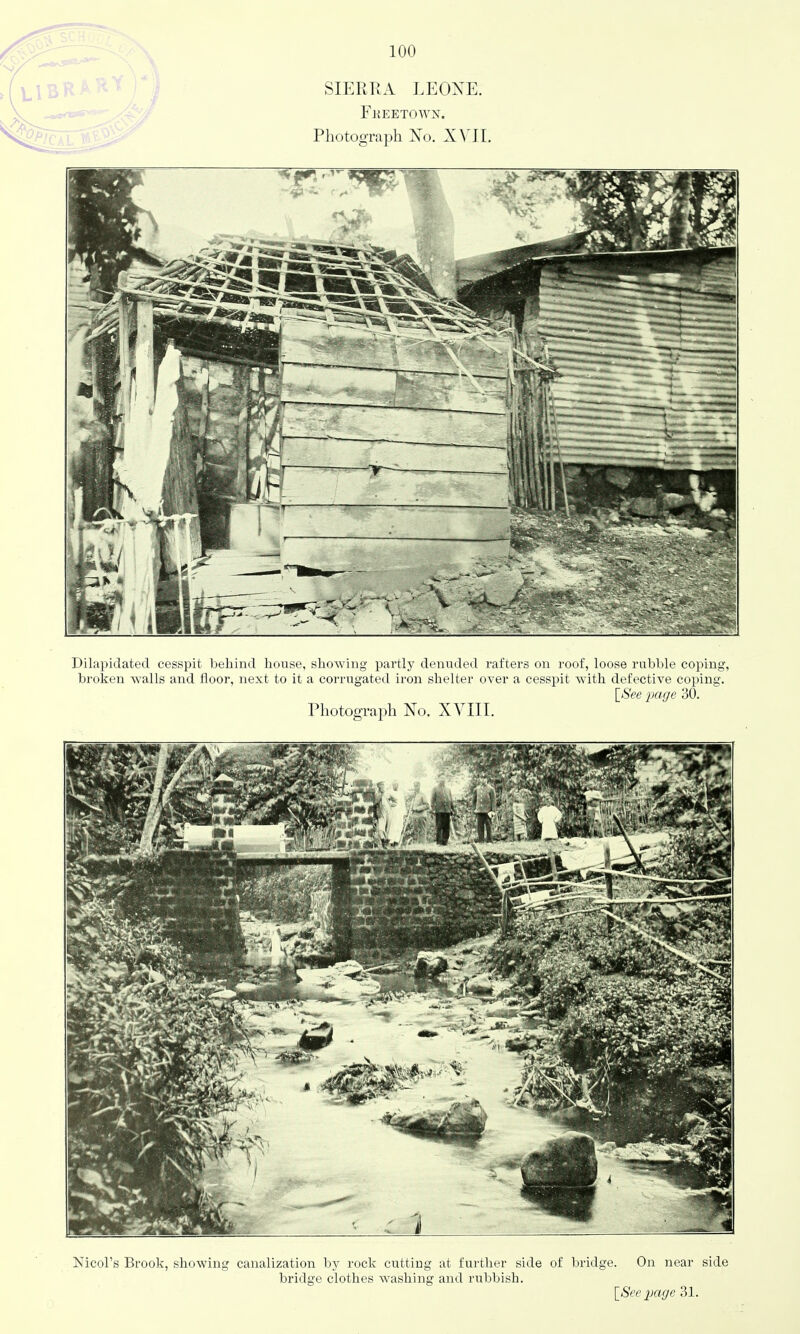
(309, 180)
(624, 1005)
(150, 1063)
(648, 1025)
(109, 788)
(291, 782)
(555, 769)
(629, 210)
(284, 893)
(694, 794)
(103, 220)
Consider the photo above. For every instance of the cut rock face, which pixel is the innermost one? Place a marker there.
(564, 1161)
(465, 1117)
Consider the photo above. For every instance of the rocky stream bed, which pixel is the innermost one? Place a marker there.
(413, 1116)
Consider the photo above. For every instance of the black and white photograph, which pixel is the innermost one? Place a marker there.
(337, 401)
(454, 989)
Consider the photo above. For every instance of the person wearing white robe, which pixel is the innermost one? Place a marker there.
(549, 816)
(396, 805)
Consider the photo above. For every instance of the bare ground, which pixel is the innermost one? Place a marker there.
(623, 578)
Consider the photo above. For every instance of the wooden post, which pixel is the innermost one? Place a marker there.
(176, 526)
(145, 355)
(553, 866)
(124, 339)
(189, 591)
(609, 879)
(242, 382)
(506, 913)
(81, 581)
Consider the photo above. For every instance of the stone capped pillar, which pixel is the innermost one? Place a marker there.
(362, 822)
(223, 813)
(223, 856)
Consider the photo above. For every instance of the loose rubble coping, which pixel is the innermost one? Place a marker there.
(442, 603)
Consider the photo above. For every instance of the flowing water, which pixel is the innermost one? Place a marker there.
(333, 1168)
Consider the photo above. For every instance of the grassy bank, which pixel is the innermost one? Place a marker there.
(638, 1034)
(151, 1082)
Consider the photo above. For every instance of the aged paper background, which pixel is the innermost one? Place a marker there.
(573, 84)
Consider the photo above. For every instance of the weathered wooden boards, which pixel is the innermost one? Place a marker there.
(648, 365)
(391, 455)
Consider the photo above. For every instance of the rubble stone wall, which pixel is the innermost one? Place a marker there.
(413, 899)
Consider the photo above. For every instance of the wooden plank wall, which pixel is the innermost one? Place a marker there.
(390, 456)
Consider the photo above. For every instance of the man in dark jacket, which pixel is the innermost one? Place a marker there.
(485, 802)
(443, 808)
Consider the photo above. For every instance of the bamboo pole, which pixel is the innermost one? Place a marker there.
(551, 446)
(543, 425)
(495, 881)
(649, 935)
(189, 592)
(558, 451)
(634, 853)
(534, 390)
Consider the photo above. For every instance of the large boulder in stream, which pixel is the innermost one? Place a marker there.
(564, 1161)
(465, 1117)
(314, 1039)
(430, 964)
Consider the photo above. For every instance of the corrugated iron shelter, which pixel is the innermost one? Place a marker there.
(333, 412)
(644, 343)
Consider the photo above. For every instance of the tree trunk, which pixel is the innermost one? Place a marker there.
(679, 211)
(156, 802)
(698, 195)
(434, 228)
(160, 797)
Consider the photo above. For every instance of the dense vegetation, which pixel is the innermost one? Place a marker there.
(633, 1020)
(562, 770)
(124, 797)
(151, 1086)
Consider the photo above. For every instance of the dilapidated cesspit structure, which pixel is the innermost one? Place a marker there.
(323, 408)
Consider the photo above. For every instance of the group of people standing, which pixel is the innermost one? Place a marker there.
(399, 820)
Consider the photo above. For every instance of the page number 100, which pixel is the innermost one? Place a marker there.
(402, 52)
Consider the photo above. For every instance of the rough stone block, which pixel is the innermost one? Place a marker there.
(502, 587)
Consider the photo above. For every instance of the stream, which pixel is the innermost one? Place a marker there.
(333, 1168)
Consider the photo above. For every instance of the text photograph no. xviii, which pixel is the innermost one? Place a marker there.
(456, 989)
(401, 402)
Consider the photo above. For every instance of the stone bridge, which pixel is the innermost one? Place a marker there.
(382, 900)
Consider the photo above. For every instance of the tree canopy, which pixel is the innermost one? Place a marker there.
(103, 221)
(628, 210)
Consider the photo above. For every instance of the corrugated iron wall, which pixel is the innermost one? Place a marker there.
(647, 361)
